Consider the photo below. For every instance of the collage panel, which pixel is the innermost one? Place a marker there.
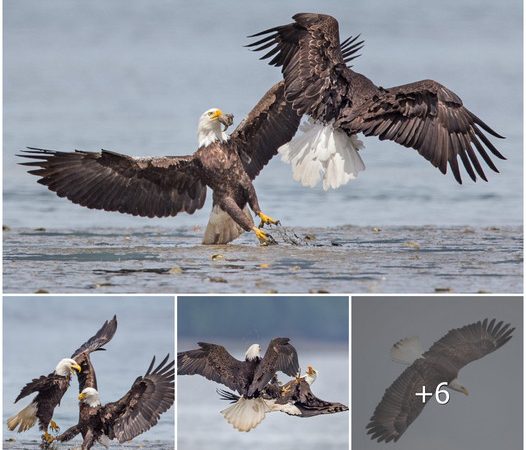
(261, 372)
(464, 355)
(88, 371)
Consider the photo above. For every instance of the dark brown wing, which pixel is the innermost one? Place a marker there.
(400, 406)
(424, 115)
(430, 118)
(214, 363)
(50, 389)
(86, 376)
(309, 53)
(471, 342)
(141, 407)
(308, 404)
(270, 124)
(148, 187)
(280, 356)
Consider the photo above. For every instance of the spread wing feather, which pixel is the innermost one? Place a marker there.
(214, 363)
(271, 124)
(86, 376)
(425, 115)
(141, 407)
(471, 342)
(50, 385)
(280, 356)
(148, 187)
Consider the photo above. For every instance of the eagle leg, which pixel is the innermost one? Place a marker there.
(54, 426)
(267, 220)
(264, 238)
(285, 390)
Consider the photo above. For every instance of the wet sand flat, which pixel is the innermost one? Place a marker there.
(346, 259)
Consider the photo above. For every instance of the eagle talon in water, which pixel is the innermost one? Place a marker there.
(47, 438)
(264, 238)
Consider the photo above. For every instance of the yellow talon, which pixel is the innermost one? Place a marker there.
(285, 389)
(267, 220)
(48, 438)
(53, 425)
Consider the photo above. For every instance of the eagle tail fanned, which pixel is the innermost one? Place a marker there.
(246, 413)
(24, 419)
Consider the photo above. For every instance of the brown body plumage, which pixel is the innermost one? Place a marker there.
(424, 115)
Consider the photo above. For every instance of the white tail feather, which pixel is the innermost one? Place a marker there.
(287, 408)
(221, 228)
(321, 152)
(407, 350)
(246, 413)
(24, 419)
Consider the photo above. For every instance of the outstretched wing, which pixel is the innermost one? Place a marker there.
(86, 376)
(141, 407)
(431, 119)
(424, 115)
(271, 124)
(48, 384)
(308, 50)
(280, 356)
(308, 404)
(471, 342)
(214, 363)
(148, 187)
(400, 406)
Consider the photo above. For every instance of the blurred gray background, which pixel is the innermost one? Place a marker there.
(318, 328)
(489, 418)
(133, 76)
(39, 331)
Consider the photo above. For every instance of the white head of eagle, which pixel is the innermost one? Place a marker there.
(209, 127)
(66, 367)
(90, 396)
(253, 352)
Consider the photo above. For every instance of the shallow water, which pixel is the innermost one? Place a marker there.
(134, 76)
(337, 260)
(26, 444)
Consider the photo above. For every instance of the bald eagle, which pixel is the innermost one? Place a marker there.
(400, 406)
(249, 377)
(341, 103)
(294, 398)
(165, 186)
(136, 412)
(51, 388)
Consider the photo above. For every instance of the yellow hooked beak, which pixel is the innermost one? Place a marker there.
(77, 368)
(217, 114)
(82, 396)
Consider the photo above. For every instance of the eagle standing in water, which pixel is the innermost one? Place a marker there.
(341, 103)
(165, 186)
(249, 377)
(51, 388)
(136, 412)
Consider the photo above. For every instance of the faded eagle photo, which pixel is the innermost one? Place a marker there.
(437, 373)
(88, 372)
(291, 147)
(257, 370)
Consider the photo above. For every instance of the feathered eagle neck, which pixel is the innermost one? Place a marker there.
(209, 131)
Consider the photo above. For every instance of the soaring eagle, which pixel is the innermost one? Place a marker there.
(341, 103)
(294, 398)
(51, 388)
(441, 363)
(165, 186)
(136, 412)
(249, 377)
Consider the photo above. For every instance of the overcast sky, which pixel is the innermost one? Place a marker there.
(489, 418)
